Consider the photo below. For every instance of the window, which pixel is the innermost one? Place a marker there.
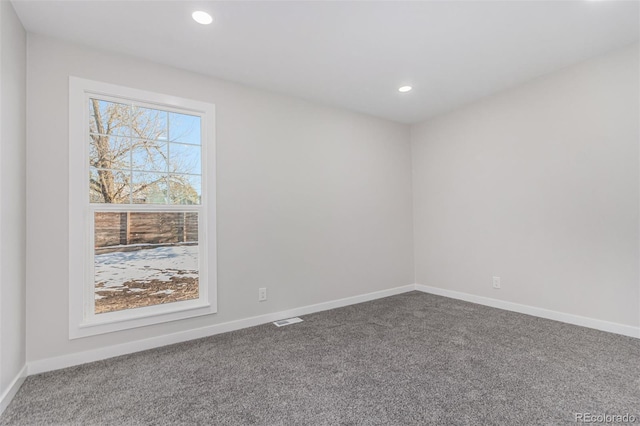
(142, 222)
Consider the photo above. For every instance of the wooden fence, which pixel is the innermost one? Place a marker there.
(128, 228)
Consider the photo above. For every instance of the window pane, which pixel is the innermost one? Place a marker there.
(149, 188)
(109, 186)
(109, 118)
(149, 156)
(134, 169)
(185, 159)
(184, 128)
(109, 152)
(149, 124)
(144, 259)
(185, 189)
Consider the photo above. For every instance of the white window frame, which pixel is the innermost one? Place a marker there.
(83, 321)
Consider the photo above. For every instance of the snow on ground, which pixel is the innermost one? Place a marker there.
(160, 263)
(163, 292)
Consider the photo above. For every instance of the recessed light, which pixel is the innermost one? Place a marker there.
(404, 89)
(202, 17)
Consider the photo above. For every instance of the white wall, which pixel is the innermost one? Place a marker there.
(314, 203)
(12, 195)
(537, 185)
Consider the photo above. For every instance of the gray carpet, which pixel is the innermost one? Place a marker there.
(403, 360)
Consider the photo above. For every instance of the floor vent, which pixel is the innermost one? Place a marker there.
(288, 321)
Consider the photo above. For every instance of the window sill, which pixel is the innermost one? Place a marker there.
(124, 320)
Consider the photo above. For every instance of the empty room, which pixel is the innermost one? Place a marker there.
(319, 212)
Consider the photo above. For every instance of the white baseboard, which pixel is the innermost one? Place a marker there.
(49, 364)
(612, 327)
(7, 396)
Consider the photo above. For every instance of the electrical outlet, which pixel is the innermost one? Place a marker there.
(262, 294)
(496, 282)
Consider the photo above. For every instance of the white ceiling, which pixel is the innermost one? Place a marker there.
(352, 54)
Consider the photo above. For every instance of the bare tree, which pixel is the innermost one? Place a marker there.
(121, 134)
